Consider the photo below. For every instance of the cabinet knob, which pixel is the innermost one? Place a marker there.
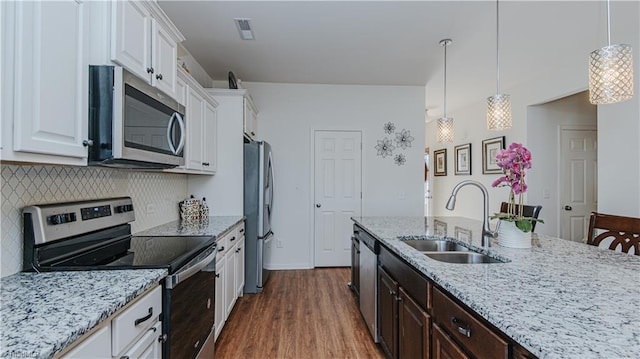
(217, 275)
(205, 163)
(159, 76)
(318, 205)
(149, 70)
(87, 143)
(253, 133)
(567, 208)
(162, 338)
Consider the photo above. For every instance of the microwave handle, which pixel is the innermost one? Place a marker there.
(174, 117)
(182, 132)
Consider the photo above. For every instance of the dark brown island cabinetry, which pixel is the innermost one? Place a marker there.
(403, 322)
(417, 319)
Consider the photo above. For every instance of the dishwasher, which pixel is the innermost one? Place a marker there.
(368, 266)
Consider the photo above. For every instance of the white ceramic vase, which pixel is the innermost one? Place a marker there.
(510, 236)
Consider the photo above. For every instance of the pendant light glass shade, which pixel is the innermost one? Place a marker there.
(499, 105)
(499, 112)
(445, 129)
(445, 124)
(610, 72)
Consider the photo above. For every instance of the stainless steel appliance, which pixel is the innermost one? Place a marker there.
(258, 208)
(97, 235)
(368, 271)
(131, 123)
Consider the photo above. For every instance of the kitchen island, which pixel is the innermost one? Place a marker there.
(43, 313)
(558, 299)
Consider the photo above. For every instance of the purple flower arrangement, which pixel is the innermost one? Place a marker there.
(514, 160)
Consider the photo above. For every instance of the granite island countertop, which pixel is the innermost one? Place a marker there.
(558, 299)
(43, 313)
(214, 226)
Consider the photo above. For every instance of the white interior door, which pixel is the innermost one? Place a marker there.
(338, 196)
(579, 181)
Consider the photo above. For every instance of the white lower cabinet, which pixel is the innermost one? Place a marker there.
(98, 345)
(134, 332)
(229, 274)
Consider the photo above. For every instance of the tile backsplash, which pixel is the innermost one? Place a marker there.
(155, 197)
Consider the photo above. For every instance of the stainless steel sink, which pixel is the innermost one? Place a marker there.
(425, 245)
(462, 257)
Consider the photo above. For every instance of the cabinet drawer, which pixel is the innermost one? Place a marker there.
(135, 320)
(240, 228)
(474, 336)
(222, 246)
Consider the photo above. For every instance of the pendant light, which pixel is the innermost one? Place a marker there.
(610, 71)
(499, 105)
(445, 124)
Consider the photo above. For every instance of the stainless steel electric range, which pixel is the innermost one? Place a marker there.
(96, 235)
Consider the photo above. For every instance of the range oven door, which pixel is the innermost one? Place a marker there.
(189, 306)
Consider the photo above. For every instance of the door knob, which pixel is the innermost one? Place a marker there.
(318, 205)
(567, 208)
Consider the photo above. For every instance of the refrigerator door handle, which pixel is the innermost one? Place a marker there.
(272, 180)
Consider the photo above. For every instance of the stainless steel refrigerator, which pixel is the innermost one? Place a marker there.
(258, 206)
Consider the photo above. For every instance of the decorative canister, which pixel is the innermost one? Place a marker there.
(190, 209)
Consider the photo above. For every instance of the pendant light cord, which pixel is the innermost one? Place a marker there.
(608, 23)
(445, 80)
(497, 49)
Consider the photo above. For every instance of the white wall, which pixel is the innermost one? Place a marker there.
(543, 126)
(618, 129)
(287, 115)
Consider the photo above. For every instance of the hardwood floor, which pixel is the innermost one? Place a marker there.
(301, 314)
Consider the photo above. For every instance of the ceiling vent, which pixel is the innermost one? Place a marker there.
(244, 27)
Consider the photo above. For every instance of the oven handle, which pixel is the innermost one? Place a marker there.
(177, 278)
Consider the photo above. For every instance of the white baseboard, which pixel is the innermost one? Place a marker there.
(288, 266)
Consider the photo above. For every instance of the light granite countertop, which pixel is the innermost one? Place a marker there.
(212, 226)
(43, 313)
(558, 299)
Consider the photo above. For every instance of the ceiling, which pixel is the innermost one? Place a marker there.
(396, 42)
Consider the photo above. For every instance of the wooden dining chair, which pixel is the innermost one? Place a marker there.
(527, 211)
(623, 231)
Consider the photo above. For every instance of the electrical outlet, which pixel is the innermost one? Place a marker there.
(151, 208)
(279, 243)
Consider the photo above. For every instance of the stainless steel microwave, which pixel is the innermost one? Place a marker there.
(131, 123)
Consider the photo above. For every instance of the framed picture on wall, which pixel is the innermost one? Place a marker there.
(440, 162)
(490, 148)
(463, 159)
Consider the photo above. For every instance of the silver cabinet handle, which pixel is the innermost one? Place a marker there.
(461, 326)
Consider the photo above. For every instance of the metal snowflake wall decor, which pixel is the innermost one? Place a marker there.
(400, 159)
(402, 140)
(385, 147)
(389, 127)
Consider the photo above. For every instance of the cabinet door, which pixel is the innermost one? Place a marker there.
(250, 120)
(131, 38)
(239, 272)
(209, 140)
(413, 328)
(181, 91)
(388, 313)
(147, 347)
(230, 285)
(194, 118)
(219, 316)
(98, 345)
(164, 59)
(51, 78)
(444, 347)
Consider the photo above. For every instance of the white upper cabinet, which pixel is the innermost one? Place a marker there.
(250, 118)
(45, 82)
(201, 119)
(145, 42)
(131, 37)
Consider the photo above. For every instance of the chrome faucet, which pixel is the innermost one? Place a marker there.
(486, 230)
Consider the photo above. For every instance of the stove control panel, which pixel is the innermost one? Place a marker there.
(95, 212)
(61, 218)
(123, 208)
